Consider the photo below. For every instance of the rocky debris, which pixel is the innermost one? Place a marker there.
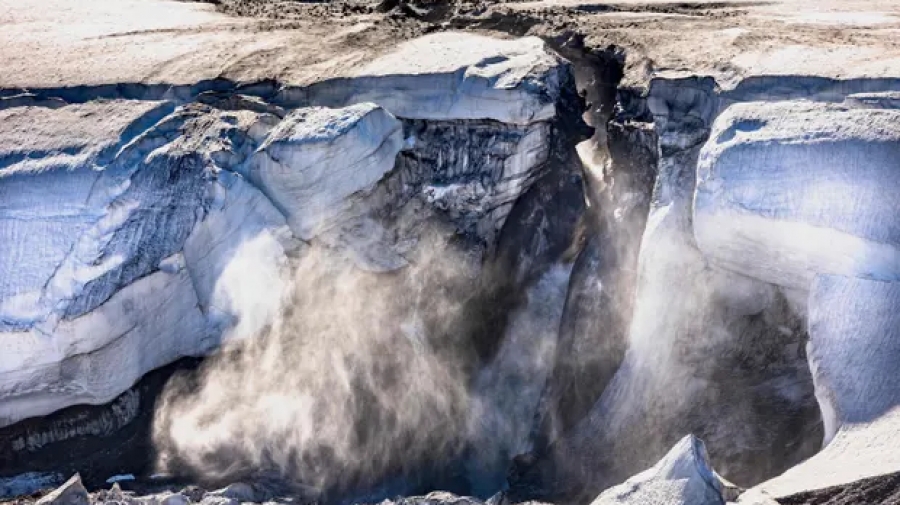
(73, 493)
(882, 489)
(789, 190)
(682, 477)
(435, 498)
(70, 493)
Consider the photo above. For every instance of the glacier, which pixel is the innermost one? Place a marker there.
(788, 190)
(136, 232)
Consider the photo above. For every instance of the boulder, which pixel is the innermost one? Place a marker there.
(682, 477)
(791, 189)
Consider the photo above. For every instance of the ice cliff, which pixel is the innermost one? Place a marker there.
(136, 232)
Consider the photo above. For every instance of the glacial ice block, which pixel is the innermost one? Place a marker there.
(58, 211)
(124, 247)
(455, 75)
(318, 157)
(788, 190)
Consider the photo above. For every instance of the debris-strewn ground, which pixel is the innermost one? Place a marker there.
(70, 42)
(884, 490)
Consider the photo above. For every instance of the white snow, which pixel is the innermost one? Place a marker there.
(788, 190)
(682, 477)
(455, 75)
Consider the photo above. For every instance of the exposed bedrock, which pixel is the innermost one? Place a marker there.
(171, 231)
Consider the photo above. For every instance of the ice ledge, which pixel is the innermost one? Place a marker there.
(453, 75)
(789, 190)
